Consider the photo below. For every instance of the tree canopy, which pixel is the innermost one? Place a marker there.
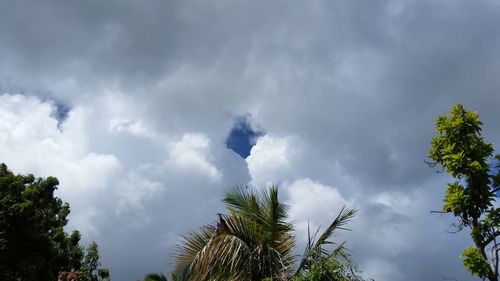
(33, 242)
(464, 154)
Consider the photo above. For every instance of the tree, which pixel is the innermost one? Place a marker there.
(90, 265)
(33, 243)
(253, 242)
(463, 153)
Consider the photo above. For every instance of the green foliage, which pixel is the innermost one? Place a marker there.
(90, 265)
(254, 242)
(33, 243)
(456, 199)
(462, 152)
(250, 243)
(320, 264)
(104, 274)
(155, 277)
(475, 263)
(325, 269)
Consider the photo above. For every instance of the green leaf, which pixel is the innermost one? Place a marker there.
(475, 263)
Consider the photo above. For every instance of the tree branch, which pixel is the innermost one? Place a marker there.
(439, 212)
(490, 239)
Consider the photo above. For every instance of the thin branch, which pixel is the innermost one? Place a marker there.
(439, 212)
(491, 238)
(431, 164)
(496, 254)
(458, 227)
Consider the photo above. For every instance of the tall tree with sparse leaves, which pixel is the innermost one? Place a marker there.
(462, 152)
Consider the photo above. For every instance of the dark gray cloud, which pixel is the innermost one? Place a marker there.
(347, 91)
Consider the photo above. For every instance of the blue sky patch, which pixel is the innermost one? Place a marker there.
(61, 111)
(242, 137)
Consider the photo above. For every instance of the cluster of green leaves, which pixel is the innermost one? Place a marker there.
(255, 242)
(319, 263)
(327, 269)
(33, 243)
(90, 266)
(462, 151)
(475, 263)
(464, 154)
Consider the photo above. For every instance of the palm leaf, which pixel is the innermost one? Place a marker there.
(252, 242)
(316, 250)
(193, 243)
(156, 277)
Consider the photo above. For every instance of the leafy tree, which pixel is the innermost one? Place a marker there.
(252, 242)
(90, 265)
(33, 243)
(463, 153)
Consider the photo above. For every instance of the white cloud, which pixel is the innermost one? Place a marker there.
(23, 119)
(33, 143)
(136, 128)
(313, 203)
(272, 158)
(135, 191)
(192, 152)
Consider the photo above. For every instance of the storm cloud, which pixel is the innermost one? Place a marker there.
(130, 104)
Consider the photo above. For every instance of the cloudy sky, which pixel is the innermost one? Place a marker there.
(131, 103)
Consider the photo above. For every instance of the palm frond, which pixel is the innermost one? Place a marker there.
(242, 200)
(193, 243)
(155, 277)
(315, 249)
(226, 254)
(338, 223)
(273, 213)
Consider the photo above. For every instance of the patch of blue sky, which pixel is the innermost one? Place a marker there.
(61, 111)
(242, 137)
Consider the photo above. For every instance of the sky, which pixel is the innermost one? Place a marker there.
(148, 111)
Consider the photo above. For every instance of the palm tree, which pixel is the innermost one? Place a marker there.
(253, 242)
